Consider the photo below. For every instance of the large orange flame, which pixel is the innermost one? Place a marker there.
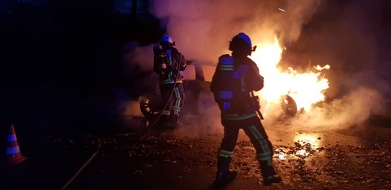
(305, 88)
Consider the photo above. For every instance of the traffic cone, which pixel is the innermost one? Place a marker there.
(13, 152)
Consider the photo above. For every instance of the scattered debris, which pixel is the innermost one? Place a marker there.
(302, 165)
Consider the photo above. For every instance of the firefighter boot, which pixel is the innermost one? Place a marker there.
(173, 118)
(224, 174)
(269, 174)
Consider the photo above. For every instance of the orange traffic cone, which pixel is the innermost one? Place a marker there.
(13, 152)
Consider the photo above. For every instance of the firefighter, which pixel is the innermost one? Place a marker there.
(168, 62)
(233, 83)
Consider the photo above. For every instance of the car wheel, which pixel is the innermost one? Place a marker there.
(288, 105)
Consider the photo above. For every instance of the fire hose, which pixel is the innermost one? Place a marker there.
(82, 167)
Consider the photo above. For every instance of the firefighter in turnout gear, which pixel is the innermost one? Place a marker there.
(168, 62)
(234, 81)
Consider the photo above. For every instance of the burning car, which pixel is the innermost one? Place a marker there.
(292, 92)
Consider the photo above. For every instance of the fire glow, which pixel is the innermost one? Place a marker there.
(305, 88)
(305, 145)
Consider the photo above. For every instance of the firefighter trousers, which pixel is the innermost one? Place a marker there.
(255, 131)
(172, 101)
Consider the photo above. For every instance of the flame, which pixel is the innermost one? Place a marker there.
(312, 139)
(305, 145)
(305, 88)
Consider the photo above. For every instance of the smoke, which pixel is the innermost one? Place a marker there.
(136, 57)
(343, 34)
(352, 109)
(205, 123)
(202, 28)
(351, 37)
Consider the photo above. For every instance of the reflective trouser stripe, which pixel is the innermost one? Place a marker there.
(225, 153)
(13, 150)
(266, 154)
(177, 105)
(237, 116)
(170, 81)
(11, 138)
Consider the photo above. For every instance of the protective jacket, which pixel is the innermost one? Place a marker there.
(168, 63)
(233, 84)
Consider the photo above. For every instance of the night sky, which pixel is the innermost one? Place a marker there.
(67, 44)
(58, 52)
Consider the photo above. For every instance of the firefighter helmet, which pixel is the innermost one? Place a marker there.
(167, 38)
(166, 41)
(241, 43)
